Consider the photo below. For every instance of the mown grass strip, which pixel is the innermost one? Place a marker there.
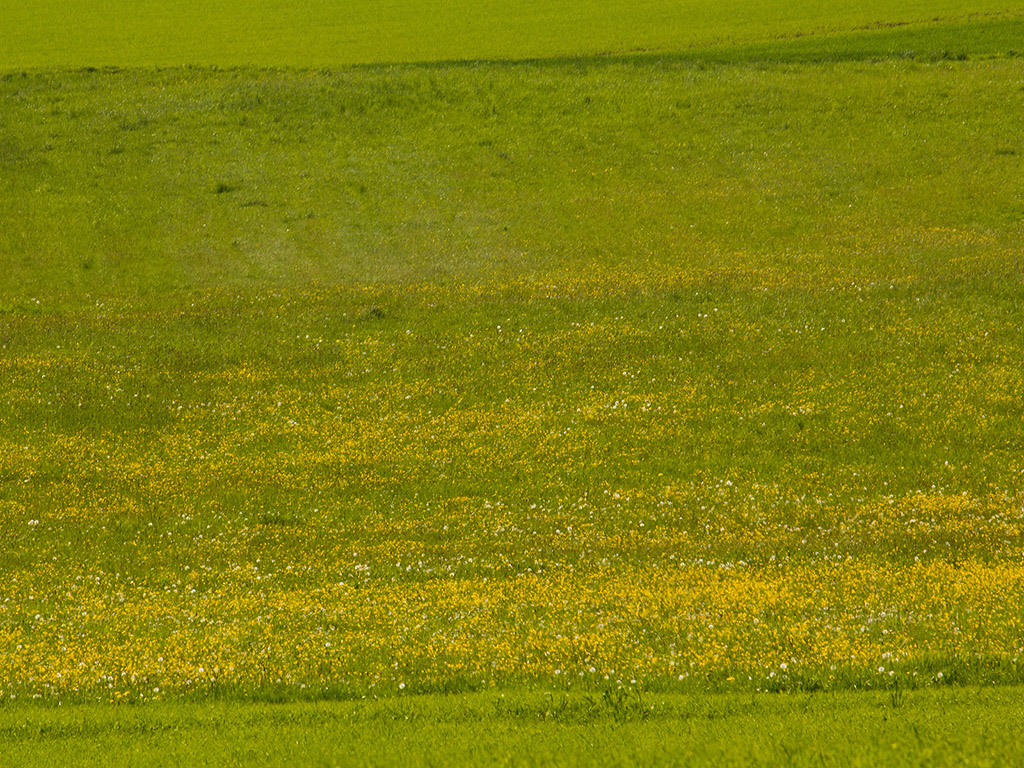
(621, 727)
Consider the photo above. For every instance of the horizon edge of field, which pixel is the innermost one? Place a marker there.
(936, 39)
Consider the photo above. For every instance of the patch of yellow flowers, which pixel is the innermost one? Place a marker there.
(839, 621)
(324, 519)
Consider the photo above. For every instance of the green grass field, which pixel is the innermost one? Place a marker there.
(322, 33)
(483, 383)
(954, 727)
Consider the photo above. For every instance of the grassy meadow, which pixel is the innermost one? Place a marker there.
(688, 379)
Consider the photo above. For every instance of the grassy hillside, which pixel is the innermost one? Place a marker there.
(125, 183)
(586, 383)
(560, 374)
(63, 33)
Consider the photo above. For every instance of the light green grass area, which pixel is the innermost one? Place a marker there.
(953, 727)
(64, 33)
